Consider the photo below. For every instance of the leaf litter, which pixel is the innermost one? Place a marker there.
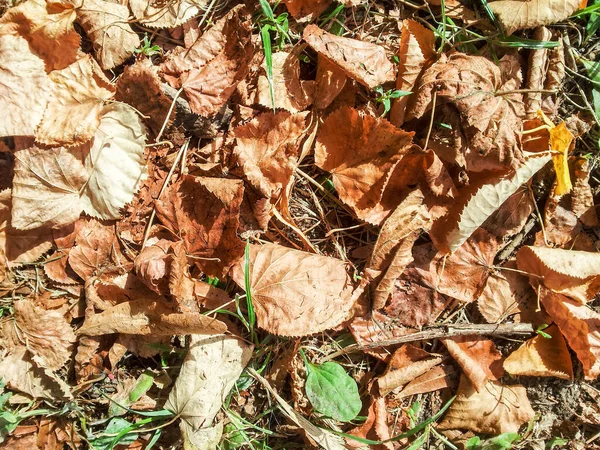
(295, 225)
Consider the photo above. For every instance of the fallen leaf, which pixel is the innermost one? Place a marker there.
(204, 213)
(510, 218)
(329, 82)
(393, 249)
(361, 151)
(107, 26)
(417, 48)
(438, 377)
(362, 61)
(153, 266)
(536, 73)
(161, 15)
(542, 357)
(478, 358)
(374, 428)
(83, 89)
(579, 325)
(267, 150)
(490, 121)
(561, 142)
(24, 87)
(575, 274)
(144, 317)
(306, 10)
(296, 293)
(46, 26)
(496, 409)
(517, 15)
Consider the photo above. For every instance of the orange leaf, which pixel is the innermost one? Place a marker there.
(437, 378)
(560, 141)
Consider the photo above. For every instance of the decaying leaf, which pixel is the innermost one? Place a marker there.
(438, 377)
(362, 61)
(165, 15)
(517, 15)
(296, 293)
(542, 357)
(374, 428)
(153, 266)
(496, 409)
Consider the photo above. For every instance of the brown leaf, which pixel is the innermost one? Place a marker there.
(575, 274)
(542, 357)
(46, 26)
(361, 151)
(517, 15)
(496, 409)
(374, 328)
(490, 122)
(393, 249)
(306, 10)
(537, 67)
(417, 47)
(153, 265)
(107, 26)
(24, 87)
(204, 213)
(478, 358)
(362, 61)
(83, 89)
(160, 15)
(512, 215)
(579, 325)
(374, 428)
(267, 150)
(329, 82)
(296, 293)
(143, 317)
(439, 377)
(46, 334)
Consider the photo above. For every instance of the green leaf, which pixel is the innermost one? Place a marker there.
(144, 382)
(332, 391)
(473, 443)
(105, 441)
(556, 442)
(266, 9)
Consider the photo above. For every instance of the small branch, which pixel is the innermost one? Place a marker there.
(525, 91)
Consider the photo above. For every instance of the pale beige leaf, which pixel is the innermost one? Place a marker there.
(209, 371)
(517, 15)
(362, 61)
(573, 273)
(46, 188)
(107, 26)
(296, 293)
(24, 87)
(488, 199)
(115, 162)
(496, 409)
(542, 357)
(146, 317)
(165, 15)
(538, 65)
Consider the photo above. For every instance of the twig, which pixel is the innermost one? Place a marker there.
(517, 240)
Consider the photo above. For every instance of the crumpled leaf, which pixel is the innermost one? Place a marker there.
(573, 273)
(580, 325)
(517, 15)
(165, 15)
(439, 377)
(107, 26)
(267, 150)
(361, 151)
(296, 293)
(46, 334)
(24, 87)
(149, 317)
(329, 82)
(490, 122)
(417, 47)
(153, 265)
(204, 213)
(209, 371)
(47, 25)
(496, 409)
(374, 428)
(488, 199)
(542, 357)
(362, 61)
(115, 162)
(83, 89)
(478, 358)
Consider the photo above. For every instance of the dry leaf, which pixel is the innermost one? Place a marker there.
(149, 317)
(393, 249)
(417, 47)
(374, 428)
(512, 215)
(24, 87)
(165, 15)
(439, 377)
(536, 74)
(204, 213)
(361, 151)
(84, 90)
(490, 122)
(542, 357)
(296, 293)
(517, 15)
(496, 409)
(153, 265)
(46, 334)
(107, 26)
(575, 274)
(579, 325)
(329, 82)
(478, 358)
(267, 150)
(306, 10)
(362, 61)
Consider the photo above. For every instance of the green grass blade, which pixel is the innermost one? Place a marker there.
(265, 35)
(247, 286)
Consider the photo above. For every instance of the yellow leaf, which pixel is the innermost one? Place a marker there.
(560, 142)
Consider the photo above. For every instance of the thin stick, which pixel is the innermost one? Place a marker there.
(431, 121)
(164, 125)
